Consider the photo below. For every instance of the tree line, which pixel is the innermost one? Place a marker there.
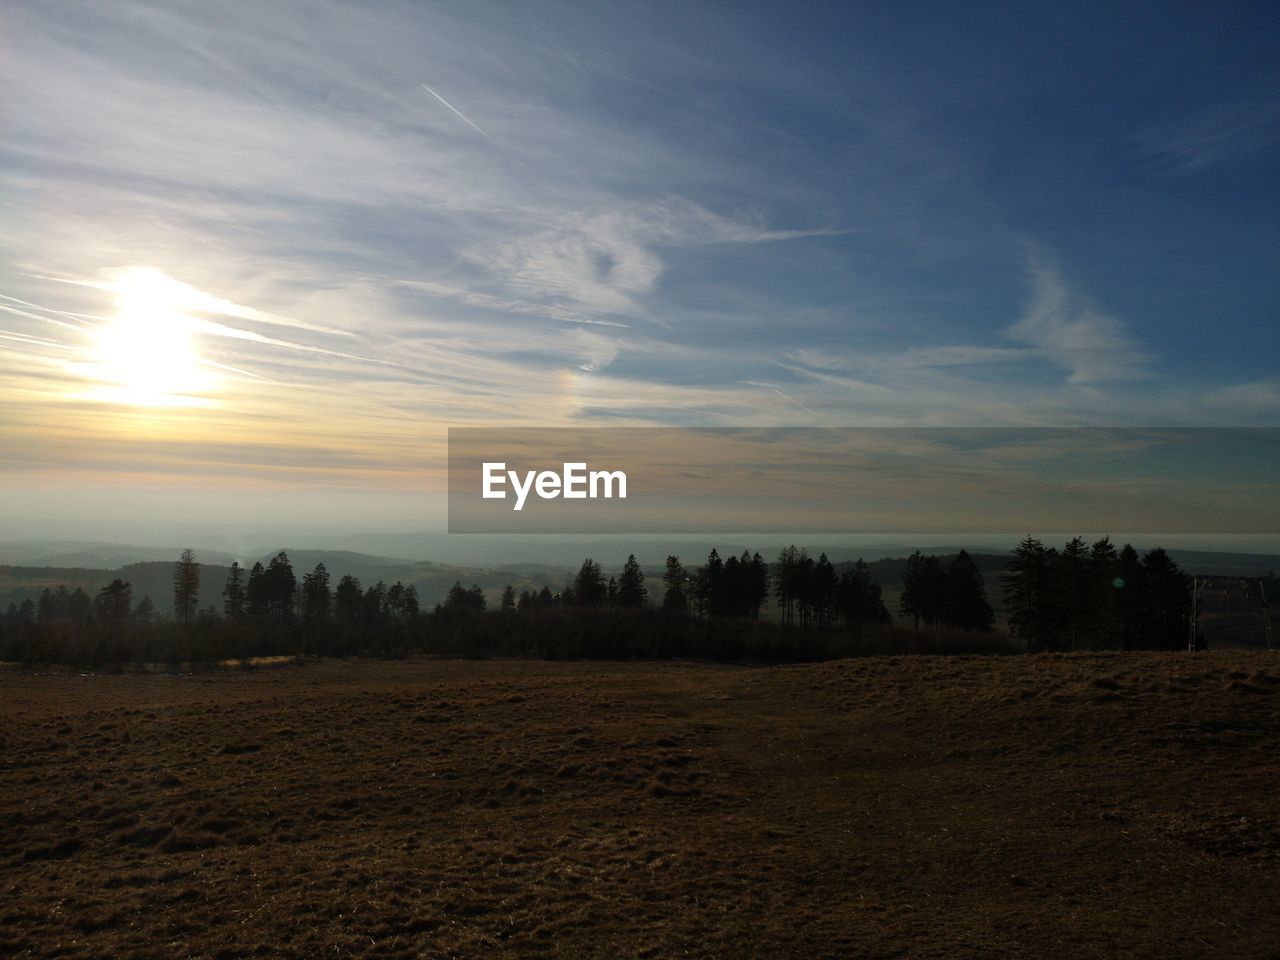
(808, 592)
(1091, 595)
(1079, 596)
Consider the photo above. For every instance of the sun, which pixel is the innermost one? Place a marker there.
(147, 354)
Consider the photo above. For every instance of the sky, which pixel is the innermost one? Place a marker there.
(255, 259)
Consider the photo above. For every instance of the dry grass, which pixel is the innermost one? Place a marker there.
(1050, 806)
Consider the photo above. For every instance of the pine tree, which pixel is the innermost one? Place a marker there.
(589, 586)
(508, 598)
(1100, 605)
(859, 598)
(713, 585)
(1075, 588)
(825, 583)
(464, 602)
(966, 596)
(1169, 591)
(186, 586)
(757, 585)
(234, 595)
(281, 588)
(316, 597)
(79, 606)
(1032, 595)
(409, 606)
(912, 602)
(675, 599)
(375, 603)
(258, 592)
(632, 592)
(145, 612)
(348, 600)
(395, 599)
(788, 582)
(114, 602)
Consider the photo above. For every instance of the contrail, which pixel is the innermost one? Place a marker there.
(465, 119)
(793, 400)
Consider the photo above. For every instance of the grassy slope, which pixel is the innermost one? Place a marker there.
(1036, 806)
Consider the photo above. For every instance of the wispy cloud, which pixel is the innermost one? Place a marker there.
(560, 227)
(1216, 135)
(1072, 333)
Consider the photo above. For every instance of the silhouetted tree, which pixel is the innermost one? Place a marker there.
(1032, 595)
(823, 592)
(1075, 589)
(145, 612)
(632, 592)
(234, 595)
(409, 603)
(1130, 598)
(79, 606)
(114, 602)
(589, 587)
(316, 597)
(460, 601)
(675, 599)
(509, 598)
(757, 576)
(258, 592)
(348, 600)
(53, 605)
(912, 602)
(1100, 605)
(966, 603)
(281, 587)
(1169, 592)
(186, 586)
(859, 600)
(375, 603)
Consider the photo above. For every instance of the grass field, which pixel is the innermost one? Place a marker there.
(1121, 805)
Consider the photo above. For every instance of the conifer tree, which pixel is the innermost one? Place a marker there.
(186, 586)
(234, 595)
(589, 586)
(632, 593)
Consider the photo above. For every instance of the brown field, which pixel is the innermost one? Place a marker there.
(1077, 806)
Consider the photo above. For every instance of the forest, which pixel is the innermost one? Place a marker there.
(739, 608)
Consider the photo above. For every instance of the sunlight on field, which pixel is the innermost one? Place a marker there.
(258, 662)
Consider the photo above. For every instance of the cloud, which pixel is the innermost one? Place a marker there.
(506, 304)
(626, 253)
(1223, 133)
(963, 356)
(1073, 334)
(1255, 396)
(607, 261)
(595, 350)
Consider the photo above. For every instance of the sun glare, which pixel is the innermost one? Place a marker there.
(147, 354)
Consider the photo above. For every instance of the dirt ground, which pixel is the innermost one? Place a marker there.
(1079, 806)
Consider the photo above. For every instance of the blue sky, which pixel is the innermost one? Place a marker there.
(289, 244)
